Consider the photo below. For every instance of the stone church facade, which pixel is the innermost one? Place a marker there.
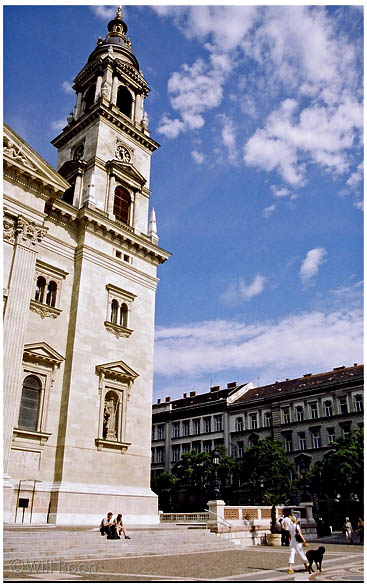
(80, 278)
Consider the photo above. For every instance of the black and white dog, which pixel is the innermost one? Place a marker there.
(315, 555)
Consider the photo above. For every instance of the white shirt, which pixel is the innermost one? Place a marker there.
(287, 523)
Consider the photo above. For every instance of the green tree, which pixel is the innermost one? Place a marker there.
(341, 470)
(265, 473)
(165, 485)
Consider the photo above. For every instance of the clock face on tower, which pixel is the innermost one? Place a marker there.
(122, 154)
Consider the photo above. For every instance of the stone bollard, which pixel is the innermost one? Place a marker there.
(216, 514)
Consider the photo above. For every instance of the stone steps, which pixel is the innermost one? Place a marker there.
(43, 545)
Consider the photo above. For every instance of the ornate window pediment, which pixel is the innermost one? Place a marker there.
(118, 371)
(42, 352)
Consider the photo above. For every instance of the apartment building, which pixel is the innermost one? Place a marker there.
(306, 414)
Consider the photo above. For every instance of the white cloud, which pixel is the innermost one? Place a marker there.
(279, 192)
(240, 290)
(310, 341)
(321, 134)
(356, 177)
(311, 264)
(58, 125)
(67, 87)
(268, 211)
(359, 205)
(192, 91)
(197, 156)
(104, 12)
(229, 137)
(297, 50)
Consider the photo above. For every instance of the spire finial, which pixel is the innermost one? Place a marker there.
(118, 13)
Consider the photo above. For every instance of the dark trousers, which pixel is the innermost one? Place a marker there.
(285, 538)
(110, 531)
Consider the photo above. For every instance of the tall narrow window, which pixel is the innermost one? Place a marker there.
(299, 413)
(123, 315)
(114, 311)
(89, 98)
(328, 408)
(51, 293)
(30, 404)
(40, 289)
(124, 101)
(358, 402)
(121, 205)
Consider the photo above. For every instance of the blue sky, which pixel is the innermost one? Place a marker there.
(257, 185)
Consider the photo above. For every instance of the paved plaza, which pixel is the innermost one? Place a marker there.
(342, 563)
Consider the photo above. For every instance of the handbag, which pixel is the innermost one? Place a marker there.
(298, 537)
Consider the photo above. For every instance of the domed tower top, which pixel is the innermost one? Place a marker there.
(116, 37)
(117, 27)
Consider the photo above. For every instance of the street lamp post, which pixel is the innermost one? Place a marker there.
(216, 481)
(261, 491)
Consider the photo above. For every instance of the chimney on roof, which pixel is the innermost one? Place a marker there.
(185, 395)
(168, 399)
(355, 364)
(193, 393)
(214, 388)
(158, 400)
(232, 385)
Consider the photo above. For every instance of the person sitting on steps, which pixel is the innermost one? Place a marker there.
(119, 526)
(107, 526)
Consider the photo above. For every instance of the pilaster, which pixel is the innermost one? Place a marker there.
(26, 237)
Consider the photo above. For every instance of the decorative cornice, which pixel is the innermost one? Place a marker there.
(118, 330)
(22, 434)
(105, 444)
(103, 108)
(44, 310)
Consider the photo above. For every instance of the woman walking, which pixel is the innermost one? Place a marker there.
(297, 541)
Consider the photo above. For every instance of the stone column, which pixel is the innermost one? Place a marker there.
(97, 94)
(111, 195)
(26, 237)
(78, 106)
(114, 89)
(77, 201)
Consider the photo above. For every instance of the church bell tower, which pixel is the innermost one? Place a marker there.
(105, 149)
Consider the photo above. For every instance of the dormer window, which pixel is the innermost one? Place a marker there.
(121, 205)
(124, 101)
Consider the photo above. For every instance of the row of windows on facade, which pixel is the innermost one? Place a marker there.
(237, 449)
(46, 294)
(178, 450)
(187, 428)
(184, 429)
(29, 418)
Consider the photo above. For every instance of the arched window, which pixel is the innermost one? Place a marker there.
(123, 315)
(40, 289)
(30, 404)
(124, 101)
(121, 205)
(51, 294)
(89, 98)
(114, 311)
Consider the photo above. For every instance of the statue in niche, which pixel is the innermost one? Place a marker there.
(109, 420)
